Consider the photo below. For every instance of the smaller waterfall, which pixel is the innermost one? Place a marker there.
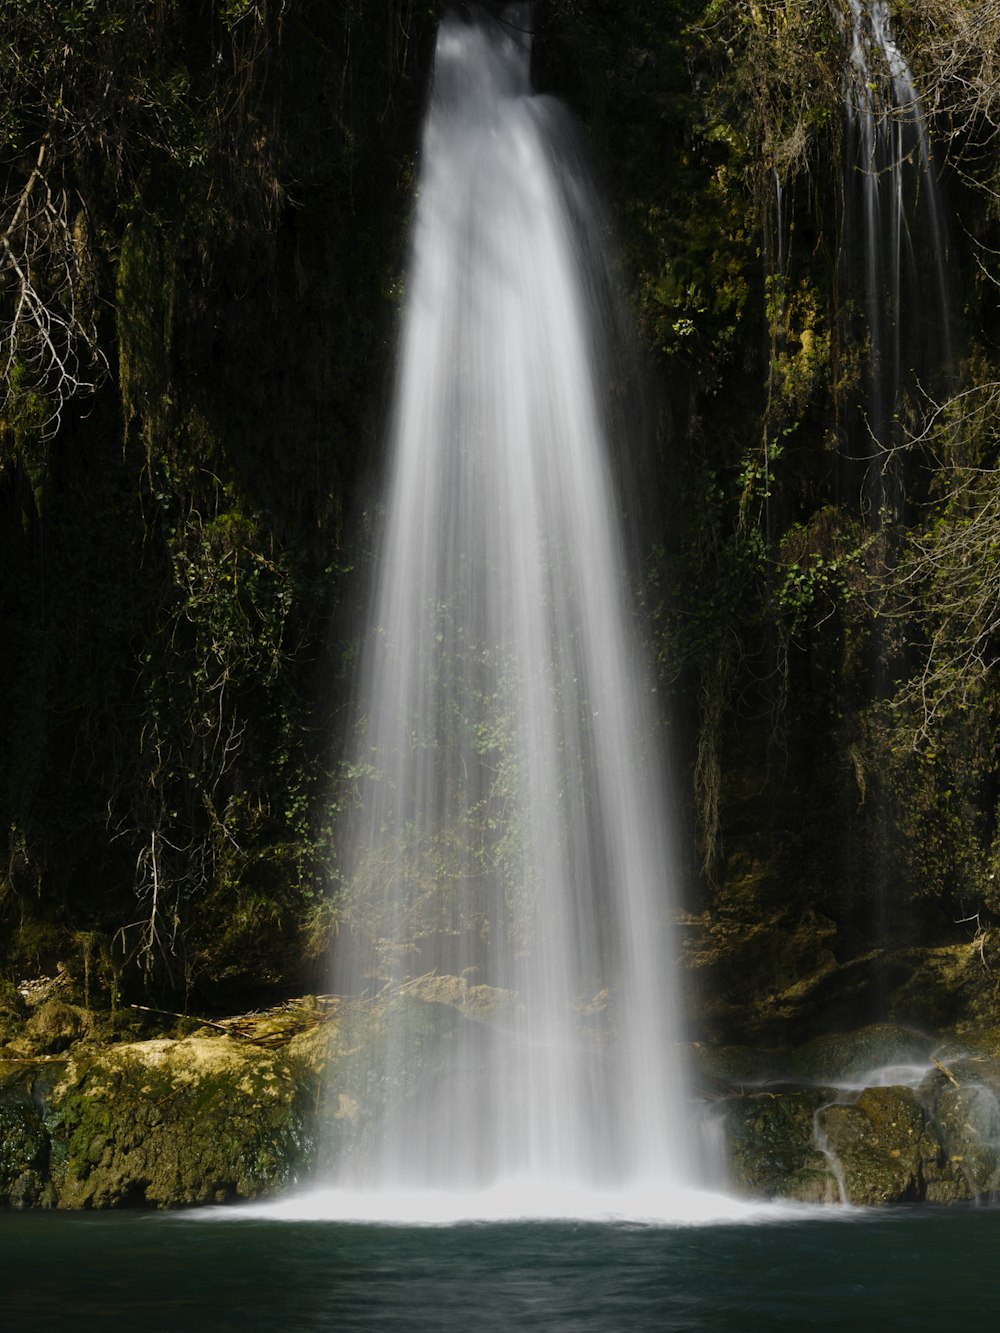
(896, 242)
(895, 287)
(780, 225)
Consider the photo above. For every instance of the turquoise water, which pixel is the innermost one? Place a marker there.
(158, 1273)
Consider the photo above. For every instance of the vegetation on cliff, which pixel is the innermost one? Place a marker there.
(203, 224)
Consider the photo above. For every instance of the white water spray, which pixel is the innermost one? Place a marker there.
(512, 853)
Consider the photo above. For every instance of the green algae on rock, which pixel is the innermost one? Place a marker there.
(24, 1155)
(161, 1123)
(773, 1151)
(869, 1118)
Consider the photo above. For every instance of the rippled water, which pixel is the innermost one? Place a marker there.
(894, 1270)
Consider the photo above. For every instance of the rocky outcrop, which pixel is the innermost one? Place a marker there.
(873, 1118)
(93, 1115)
(88, 1122)
(242, 1109)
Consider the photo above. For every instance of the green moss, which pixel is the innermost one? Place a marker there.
(886, 1146)
(171, 1123)
(24, 1155)
(773, 1152)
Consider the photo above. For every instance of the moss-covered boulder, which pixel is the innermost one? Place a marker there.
(24, 1154)
(882, 1115)
(733, 1067)
(166, 1122)
(850, 1057)
(969, 1124)
(52, 1028)
(887, 1148)
(773, 1150)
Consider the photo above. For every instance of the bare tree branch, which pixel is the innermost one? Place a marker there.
(48, 338)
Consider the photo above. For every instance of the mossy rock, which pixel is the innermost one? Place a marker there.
(732, 1066)
(474, 1001)
(755, 972)
(13, 1011)
(11, 1000)
(850, 1057)
(946, 989)
(167, 1123)
(938, 1142)
(888, 1149)
(982, 1044)
(24, 1155)
(53, 1028)
(968, 1121)
(772, 1149)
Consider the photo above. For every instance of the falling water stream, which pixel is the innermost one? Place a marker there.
(512, 849)
(896, 267)
(896, 236)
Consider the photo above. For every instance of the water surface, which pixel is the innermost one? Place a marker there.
(898, 1269)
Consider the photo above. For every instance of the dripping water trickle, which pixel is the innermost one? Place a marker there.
(896, 238)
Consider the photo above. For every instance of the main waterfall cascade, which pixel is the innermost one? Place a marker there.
(512, 848)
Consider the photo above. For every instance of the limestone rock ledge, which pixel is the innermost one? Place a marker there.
(161, 1123)
(256, 1106)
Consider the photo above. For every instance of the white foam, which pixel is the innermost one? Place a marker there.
(526, 1200)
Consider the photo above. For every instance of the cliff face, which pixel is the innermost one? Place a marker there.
(207, 212)
(800, 235)
(228, 190)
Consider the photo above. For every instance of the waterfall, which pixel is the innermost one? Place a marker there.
(511, 851)
(893, 207)
(896, 278)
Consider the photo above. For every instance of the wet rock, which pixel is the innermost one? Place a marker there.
(849, 1057)
(732, 1066)
(968, 1120)
(166, 1123)
(24, 1155)
(936, 1140)
(773, 1151)
(881, 1142)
